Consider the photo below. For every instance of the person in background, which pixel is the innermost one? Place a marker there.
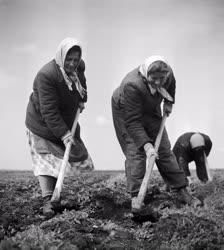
(59, 89)
(137, 117)
(193, 146)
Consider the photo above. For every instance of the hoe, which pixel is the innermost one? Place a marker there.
(59, 183)
(139, 200)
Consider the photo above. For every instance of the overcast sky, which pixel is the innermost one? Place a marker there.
(116, 36)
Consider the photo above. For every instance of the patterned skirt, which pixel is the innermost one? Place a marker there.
(44, 162)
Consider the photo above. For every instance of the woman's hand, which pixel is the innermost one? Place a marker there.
(150, 150)
(167, 108)
(67, 138)
(81, 106)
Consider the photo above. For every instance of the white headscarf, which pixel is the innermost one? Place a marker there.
(61, 53)
(145, 67)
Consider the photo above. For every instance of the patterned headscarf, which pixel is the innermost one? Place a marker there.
(145, 68)
(61, 53)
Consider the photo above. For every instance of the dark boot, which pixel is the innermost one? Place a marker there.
(48, 207)
(183, 196)
(57, 205)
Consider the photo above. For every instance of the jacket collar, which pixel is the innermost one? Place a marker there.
(58, 72)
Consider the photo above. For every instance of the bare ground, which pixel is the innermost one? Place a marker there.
(96, 215)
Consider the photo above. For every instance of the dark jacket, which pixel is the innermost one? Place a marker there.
(182, 147)
(52, 106)
(142, 111)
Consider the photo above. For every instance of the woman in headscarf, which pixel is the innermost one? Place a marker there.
(59, 89)
(137, 117)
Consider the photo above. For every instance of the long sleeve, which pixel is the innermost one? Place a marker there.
(133, 107)
(82, 78)
(208, 145)
(171, 87)
(49, 103)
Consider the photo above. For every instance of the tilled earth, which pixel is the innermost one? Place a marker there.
(95, 214)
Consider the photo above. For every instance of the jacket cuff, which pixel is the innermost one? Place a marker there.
(142, 143)
(169, 102)
(68, 133)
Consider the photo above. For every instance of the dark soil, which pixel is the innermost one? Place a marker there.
(95, 214)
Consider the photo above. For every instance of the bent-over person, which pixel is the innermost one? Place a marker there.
(193, 146)
(137, 117)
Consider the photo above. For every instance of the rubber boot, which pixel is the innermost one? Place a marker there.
(48, 209)
(183, 196)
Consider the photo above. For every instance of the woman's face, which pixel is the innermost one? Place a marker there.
(157, 79)
(71, 61)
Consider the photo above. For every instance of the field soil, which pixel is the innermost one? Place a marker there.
(95, 214)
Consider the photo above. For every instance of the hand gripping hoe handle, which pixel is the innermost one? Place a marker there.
(59, 183)
(138, 203)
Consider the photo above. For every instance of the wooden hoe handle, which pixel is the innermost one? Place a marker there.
(59, 183)
(142, 192)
